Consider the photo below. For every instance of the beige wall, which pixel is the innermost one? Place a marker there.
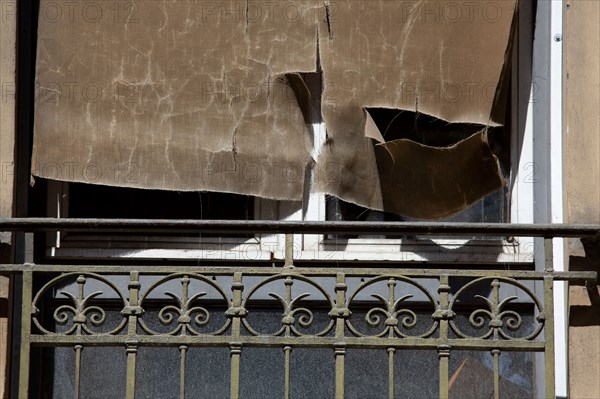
(582, 182)
(7, 134)
(582, 101)
(7, 103)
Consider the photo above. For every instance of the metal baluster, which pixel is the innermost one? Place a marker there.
(25, 335)
(287, 351)
(340, 357)
(391, 352)
(496, 354)
(391, 288)
(78, 349)
(235, 347)
(131, 362)
(340, 345)
(289, 250)
(132, 312)
(549, 335)
(235, 350)
(182, 356)
(443, 348)
(288, 265)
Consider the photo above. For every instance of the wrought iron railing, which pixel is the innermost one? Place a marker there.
(390, 309)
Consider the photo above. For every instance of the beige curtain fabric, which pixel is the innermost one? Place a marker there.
(195, 95)
(176, 95)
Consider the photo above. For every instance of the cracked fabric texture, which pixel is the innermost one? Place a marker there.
(187, 95)
(208, 96)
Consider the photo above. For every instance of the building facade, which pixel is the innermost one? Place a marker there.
(551, 161)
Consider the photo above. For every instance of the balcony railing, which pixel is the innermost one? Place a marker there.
(342, 309)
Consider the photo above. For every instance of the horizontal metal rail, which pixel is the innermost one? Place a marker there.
(262, 227)
(572, 277)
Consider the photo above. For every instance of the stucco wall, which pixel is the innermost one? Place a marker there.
(582, 99)
(7, 104)
(582, 180)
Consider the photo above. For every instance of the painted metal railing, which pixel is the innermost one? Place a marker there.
(340, 308)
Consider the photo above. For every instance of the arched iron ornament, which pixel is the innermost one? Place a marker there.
(392, 314)
(79, 311)
(189, 314)
(498, 316)
(290, 309)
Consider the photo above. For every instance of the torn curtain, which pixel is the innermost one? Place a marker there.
(196, 95)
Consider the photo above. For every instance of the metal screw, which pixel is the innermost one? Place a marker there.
(557, 37)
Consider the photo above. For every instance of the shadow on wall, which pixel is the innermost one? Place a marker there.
(587, 315)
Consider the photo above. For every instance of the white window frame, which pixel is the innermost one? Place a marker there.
(152, 247)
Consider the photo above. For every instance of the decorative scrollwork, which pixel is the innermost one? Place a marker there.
(496, 320)
(391, 316)
(79, 312)
(293, 316)
(187, 316)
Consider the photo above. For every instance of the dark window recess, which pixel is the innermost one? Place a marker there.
(397, 124)
(94, 201)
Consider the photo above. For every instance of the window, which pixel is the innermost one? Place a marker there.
(512, 203)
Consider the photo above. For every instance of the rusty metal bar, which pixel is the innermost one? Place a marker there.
(25, 335)
(182, 359)
(296, 342)
(235, 350)
(391, 352)
(289, 250)
(549, 337)
(548, 255)
(496, 356)
(131, 345)
(133, 310)
(340, 344)
(572, 277)
(443, 356)
(444, 347)
(77, 384)
(255, 226)
(235, 346)
(549, 326)
(340, 368)
(131, 351)
(286, 385)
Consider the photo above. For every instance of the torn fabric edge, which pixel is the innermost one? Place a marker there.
(371, 187)
(412, 179)
(431, 182)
